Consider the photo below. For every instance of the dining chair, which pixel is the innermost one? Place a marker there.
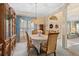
(50, 46)
(30, 45)
(46, 32)
(34, 32)
(1, 49)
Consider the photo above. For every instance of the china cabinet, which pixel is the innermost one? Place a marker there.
(7, 28)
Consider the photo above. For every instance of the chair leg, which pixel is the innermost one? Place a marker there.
(54, 53)
(40, 51)
(28, 51)
(46, 54)
(36, 50)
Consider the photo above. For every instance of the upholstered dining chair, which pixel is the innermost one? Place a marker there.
(30, 45)
(46, 32)
(34, 32)
(50, 46)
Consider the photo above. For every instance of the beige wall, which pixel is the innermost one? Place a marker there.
(59, 21)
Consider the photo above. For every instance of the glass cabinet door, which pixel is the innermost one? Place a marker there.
(7, 24)
(10, 21)
(7, 28)
(10, 27)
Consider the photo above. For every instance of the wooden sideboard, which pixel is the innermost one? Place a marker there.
(7, 28)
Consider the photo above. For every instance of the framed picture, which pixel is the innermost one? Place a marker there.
(51, 26)
(56, 26)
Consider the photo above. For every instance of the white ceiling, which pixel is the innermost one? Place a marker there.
(45, 9)
(36, 9)
(73, 12)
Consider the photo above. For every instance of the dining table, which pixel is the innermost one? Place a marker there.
(38, 39)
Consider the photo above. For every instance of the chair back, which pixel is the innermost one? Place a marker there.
(34, 32)
(52, 42)
(46, 32)
(27, 37)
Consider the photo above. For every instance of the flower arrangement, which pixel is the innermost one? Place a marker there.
(39, 32)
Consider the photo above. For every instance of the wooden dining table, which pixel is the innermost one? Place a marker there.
(37, 39)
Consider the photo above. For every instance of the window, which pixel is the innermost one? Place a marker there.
(77, 26)
(32, 25)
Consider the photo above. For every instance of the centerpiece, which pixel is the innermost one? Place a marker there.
(39, 32)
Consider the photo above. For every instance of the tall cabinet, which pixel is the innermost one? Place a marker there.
(7, 29)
